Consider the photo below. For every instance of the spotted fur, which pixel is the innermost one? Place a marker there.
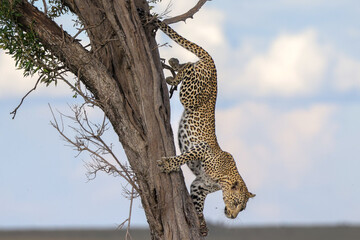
(214, 168)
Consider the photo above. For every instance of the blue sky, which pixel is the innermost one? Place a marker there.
(288, 110)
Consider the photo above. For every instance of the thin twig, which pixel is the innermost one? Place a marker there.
(22, 100)
(104, 43)
(88, 27)
(121, 225)
(128, 236)
(45, 7)
(78, 90)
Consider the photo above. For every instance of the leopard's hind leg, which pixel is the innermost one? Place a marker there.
(199, 189)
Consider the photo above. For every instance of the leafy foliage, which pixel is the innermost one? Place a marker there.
(57, 8)
(152, 3)
(29, 53)
(24, 46)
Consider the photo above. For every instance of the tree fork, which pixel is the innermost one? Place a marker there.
(125, 76)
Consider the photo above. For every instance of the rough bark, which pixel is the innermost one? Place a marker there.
(124, 73)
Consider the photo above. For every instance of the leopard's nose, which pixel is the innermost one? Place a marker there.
(228, 214)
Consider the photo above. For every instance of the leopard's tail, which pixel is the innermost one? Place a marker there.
(192, 47)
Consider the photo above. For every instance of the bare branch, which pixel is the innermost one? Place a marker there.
(132, 195)
(127, 236)
(87, 28)
(188, 14)
(77, 89)
(89, 139)
(121, 225)
(45, 7)
(22, 100)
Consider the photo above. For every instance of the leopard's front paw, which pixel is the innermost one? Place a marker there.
(167, 165)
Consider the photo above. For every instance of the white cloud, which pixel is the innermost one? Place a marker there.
(293, 65)
(272, 144)
(306, 3)
(12, 81)
(14, 84)
(346, 73)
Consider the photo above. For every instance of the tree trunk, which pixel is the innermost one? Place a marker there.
(124, 73)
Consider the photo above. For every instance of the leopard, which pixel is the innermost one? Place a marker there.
(213, 168)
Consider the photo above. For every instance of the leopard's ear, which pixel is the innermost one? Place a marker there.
(251, 195)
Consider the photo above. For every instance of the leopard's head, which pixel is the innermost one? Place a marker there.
(235, 198)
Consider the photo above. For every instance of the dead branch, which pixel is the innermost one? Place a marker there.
(88, 98)
(45, 7)
(132, 195)
(88, 138)
(80, 30)
(23, 98)
(128, 236)
(188, 14)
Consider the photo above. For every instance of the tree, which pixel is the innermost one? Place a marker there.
(121, 68)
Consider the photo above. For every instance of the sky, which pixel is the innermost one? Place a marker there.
(288, 110)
